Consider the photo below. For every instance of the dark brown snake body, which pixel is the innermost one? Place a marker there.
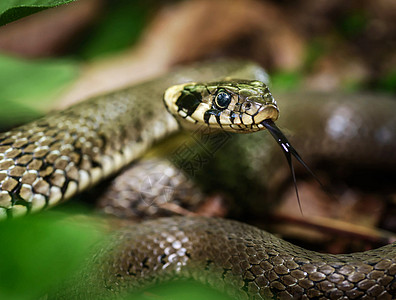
(238, 259)
(50, 160)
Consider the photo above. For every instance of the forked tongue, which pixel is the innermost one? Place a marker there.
(288, 150)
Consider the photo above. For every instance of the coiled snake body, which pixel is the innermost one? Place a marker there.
(50, 160)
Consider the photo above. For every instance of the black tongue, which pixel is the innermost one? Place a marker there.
(288, 150)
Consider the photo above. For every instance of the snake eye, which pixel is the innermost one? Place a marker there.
(222, 100)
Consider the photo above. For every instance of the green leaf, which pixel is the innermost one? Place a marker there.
(11, 10)
(28, 87)
(39, 252)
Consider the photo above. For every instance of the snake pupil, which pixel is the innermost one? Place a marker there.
(222, 100)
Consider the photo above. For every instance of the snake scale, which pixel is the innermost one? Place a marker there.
(53, 158)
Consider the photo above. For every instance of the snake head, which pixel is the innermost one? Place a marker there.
(231, 105)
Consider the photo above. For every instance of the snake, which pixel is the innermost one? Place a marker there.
(48, 161)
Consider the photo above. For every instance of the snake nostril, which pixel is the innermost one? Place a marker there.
(246, 106)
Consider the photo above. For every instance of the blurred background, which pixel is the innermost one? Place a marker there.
(51, 57)
(60, 55)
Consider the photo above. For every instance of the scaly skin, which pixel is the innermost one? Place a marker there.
(233, 257)
(50, 160)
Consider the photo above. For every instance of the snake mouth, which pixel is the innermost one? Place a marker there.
(245, 122)
(267, 112)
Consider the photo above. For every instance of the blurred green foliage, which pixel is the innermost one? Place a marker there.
(316, 49)
(39, 252)
(11, 10)
(179, 291)
(388, 82)
(353, 24)
(27, 87)
(116, 30)
(285, 81)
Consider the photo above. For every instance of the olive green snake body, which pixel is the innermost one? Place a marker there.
(50, 160)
